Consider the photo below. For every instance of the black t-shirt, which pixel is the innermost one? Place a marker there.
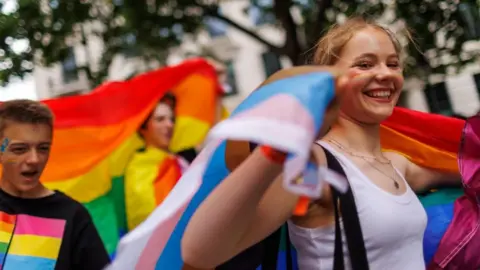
(54, 232)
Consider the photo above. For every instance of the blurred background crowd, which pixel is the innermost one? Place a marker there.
(57, 48)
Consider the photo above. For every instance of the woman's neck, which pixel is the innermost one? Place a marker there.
(358, 137)
(37, 192)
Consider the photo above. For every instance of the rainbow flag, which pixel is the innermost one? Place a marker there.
(428, 140)
(149, 177)
(31, 242)
(7, 223)
(95, 136)
(453, 145)
(285, 113)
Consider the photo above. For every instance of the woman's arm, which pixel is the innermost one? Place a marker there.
(250, 203)
(424, 179)
(245, 208)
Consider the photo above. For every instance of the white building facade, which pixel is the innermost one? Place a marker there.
(244, 63)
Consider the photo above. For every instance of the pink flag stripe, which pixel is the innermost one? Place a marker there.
(158, 240)
(40, 226)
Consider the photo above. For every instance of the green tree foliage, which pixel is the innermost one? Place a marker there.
(316, 17)
(43, 28)
(51, 27)
(430, 22)
(149, 28)
(440, 30)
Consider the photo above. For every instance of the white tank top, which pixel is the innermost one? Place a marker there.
(392, 226)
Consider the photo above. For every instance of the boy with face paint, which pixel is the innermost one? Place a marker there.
(44, 229)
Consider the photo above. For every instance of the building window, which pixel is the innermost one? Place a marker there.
(229, 80)
(69, 67)
(259, 15)
(438, 99)
(271, 63)
(215, 27)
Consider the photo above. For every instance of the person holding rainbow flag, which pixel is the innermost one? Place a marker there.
(153, 171)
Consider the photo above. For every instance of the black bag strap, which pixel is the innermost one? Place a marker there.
(272, 246)
(352, 228)
(288, 246)
(351, 223)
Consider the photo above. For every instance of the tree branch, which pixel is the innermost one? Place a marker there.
(322, 6)
(213, 12)
(292, 44)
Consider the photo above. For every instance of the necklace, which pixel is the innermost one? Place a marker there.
(369, 160)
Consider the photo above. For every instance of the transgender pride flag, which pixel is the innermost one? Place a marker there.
(287, 114)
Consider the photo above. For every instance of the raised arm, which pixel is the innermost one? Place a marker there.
(246, 207)
(422, 179)
(250, 203)
(231, 219)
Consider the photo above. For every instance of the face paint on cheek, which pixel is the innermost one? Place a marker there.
(359, 80)
(3, 146)
(11, 160)
(357, 74)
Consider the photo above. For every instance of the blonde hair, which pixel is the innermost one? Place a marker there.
(329, 47)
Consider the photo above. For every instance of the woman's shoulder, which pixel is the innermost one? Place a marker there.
(318, 153)
(399, 161)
